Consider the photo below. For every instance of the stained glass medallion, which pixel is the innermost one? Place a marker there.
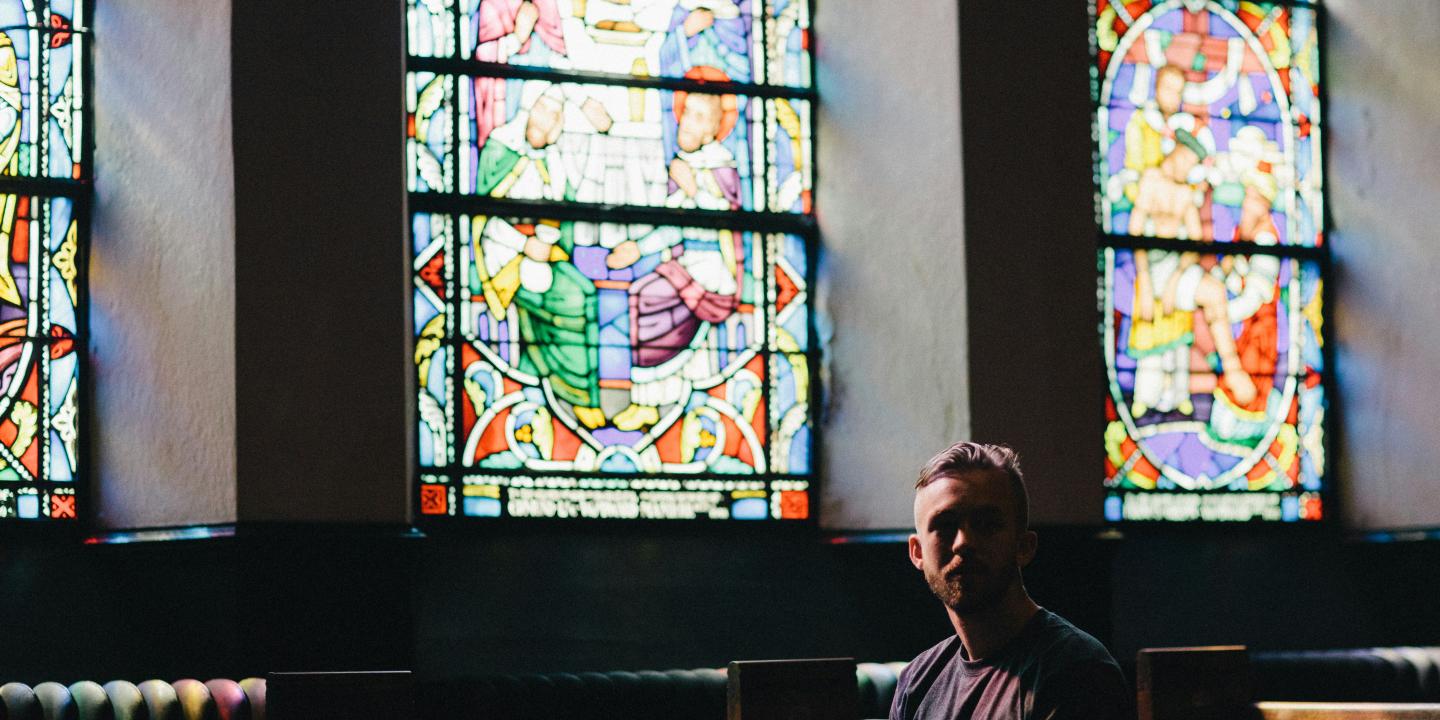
(1207, 128)
(44, 193)
(1217, 98)
(644, 351)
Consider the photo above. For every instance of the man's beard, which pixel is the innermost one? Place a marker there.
(973, 592)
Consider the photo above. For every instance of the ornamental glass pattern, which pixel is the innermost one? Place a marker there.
(44, 206)
(612, 243)
(1212, 259)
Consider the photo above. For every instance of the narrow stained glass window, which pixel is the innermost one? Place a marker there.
(1212, 259)
(612, 247)
(44, 201)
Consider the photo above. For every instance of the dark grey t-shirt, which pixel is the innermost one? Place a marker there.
(1051, 671)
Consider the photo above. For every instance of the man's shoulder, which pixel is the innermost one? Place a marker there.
(920, 674)
(1057, 642)
(938, 655)
(1074, 675)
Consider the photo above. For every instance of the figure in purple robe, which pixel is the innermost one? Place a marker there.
(700, 281)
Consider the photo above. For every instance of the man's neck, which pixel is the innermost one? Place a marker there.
(985, 632)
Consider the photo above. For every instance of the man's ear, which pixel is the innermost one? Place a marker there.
(1029, 541)
(917, 556)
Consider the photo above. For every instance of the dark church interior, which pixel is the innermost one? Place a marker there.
(249, 460)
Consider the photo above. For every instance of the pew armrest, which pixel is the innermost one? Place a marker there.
(1346, 711)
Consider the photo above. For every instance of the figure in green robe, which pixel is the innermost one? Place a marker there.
(528, 264)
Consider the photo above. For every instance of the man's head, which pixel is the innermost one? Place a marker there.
(1169, 89)
(972, 532)
(703, 118)
(699, 121)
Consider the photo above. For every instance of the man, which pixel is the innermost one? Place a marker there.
(1009, 658)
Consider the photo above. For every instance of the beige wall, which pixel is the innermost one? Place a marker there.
(1384, 165)
(162, 265)
(891, 287)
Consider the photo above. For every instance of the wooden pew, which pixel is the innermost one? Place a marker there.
(1346, 711)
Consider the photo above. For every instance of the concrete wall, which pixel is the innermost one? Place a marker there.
(162, 320)
(892, 273)
(1384, 144)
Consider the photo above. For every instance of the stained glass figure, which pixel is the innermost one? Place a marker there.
(601, 362)
(612, 145)
(637, 38)
(42, 154)
(1215, 370)
(1208, 121)
(1208, 133)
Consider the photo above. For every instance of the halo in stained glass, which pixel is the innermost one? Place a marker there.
(1208, 121)
(1215, 385)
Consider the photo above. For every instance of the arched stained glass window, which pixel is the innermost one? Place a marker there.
(44, 204)
(612, 247)
(1212, 258)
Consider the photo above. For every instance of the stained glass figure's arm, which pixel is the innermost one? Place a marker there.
(683, 176)
(596, 113)
(1168, 298)
(628, 252)
(1257, 276)
(510, 26)
(1140, 215)
(1194, 228)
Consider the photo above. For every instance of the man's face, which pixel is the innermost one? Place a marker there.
(699, 121)
(543, 127)
(967, 541)
(1169, 89)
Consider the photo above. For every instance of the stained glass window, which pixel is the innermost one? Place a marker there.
(612, 242)
(1209, 195)
(44, 202)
